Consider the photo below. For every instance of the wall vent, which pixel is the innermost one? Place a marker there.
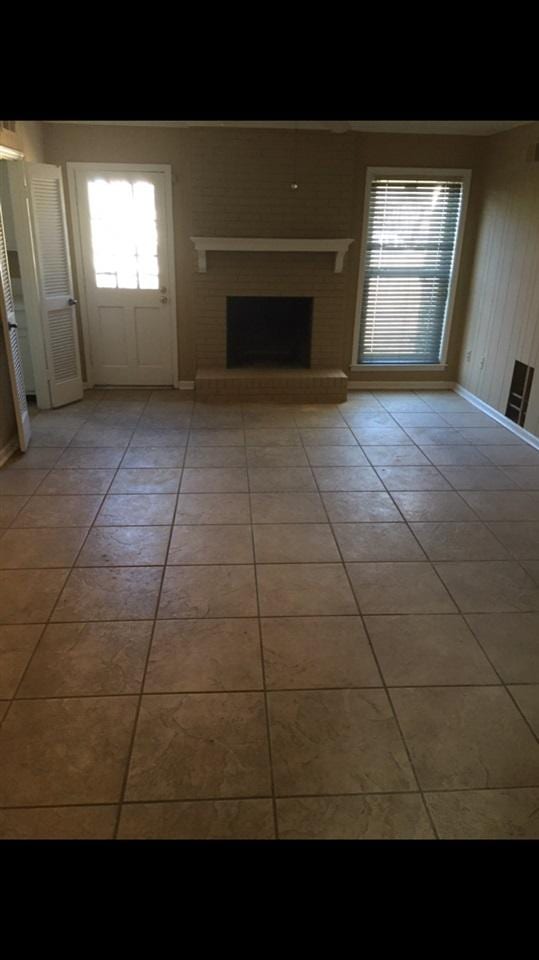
(519, 393)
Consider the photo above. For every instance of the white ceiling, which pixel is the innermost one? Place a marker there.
(475, 128)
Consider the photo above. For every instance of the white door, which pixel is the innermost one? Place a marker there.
(9, 325)
(55, 282)
(124, 224)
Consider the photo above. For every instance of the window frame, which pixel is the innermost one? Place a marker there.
(414, 173)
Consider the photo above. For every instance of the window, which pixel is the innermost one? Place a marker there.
(124, 234)
(409, 266)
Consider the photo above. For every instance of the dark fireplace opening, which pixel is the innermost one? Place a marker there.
(268, 331)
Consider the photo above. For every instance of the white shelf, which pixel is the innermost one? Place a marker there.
(272, 244)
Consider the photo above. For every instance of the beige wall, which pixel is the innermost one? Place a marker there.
(28, 138)
(502, 315)
(236, 182)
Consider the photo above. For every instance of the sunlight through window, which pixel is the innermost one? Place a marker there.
(124, 234)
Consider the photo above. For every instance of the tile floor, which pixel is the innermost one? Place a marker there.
(269, 620)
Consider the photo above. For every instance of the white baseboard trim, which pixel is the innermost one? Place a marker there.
(186, 384)
(401, 385)
(499, 417)
(8, 449)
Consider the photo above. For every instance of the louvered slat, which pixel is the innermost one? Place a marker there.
(63, 347)
(55, 275)
(409, 256)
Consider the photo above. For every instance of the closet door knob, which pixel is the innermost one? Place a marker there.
(72, 302)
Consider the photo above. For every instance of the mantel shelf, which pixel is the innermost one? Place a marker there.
(258, 244)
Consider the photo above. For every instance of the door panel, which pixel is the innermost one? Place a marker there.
(9, 325)
(125, 256)
(53, 268)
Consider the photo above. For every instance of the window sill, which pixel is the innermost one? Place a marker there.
(398, 366)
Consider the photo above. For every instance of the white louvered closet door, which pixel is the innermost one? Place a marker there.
(53, 267)
(9, 325)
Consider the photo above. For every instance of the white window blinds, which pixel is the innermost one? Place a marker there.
(410, 250)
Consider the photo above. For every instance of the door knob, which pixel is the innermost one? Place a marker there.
(72, 302)
(162, 290)
(163, 299)
(12, 326)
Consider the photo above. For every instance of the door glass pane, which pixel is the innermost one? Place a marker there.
(123, 221)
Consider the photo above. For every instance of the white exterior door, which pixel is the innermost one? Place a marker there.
(9, 325)
(124, 223)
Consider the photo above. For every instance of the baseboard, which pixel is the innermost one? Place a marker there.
(8, 449)
(499, 417)
(186, 384)
(401, 385)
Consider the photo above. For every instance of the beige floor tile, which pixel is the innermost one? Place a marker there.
(201, 820)
(20, 482)
(380, 436)
(336, 741)
(459, 541)
(276, 457)
(146, 480)
(527, 698)
(213, 543)
(294, 543)
(514, 454)
(215, 480)
(304, 589)
(532, 568)
(43, 548)
(101, 435)
(36, 458)
(511, 641)
(477, 478)
(466, 737)
(412, 478)
(360, 507)
(399, 588)
(192, 746)
(490, 586)
(486, 814)
(272, 437)
(88, 659)
(287, 508)
(109, 593)
(17, 644)
(83, 458)
(58, 823)
(76, 482)
(525, 477)
(308, 652)
(428, 649)
(217, 419)
(313, 418)
(212, 591)
(418, 418)
(29, 598)
(398, 816)
(335, 456)
(467, 418)
(377, 541)
(215, 457)
(342, 436)
(370, 418)
(136, 509)
(408, 455)
(434, 436)
(488, 435)
(9, 508)
(158, 437)
(154, 457)
(204, 655)
(46, 436)
(124, 546)
(402, 401)
(65, 751)
(213, 508)
(347, 478)
(275, 479)
(521, 538)
(58, 511)
(450, 455)
(216, 438)
(433, 505)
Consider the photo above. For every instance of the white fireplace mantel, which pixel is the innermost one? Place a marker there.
(258, 244)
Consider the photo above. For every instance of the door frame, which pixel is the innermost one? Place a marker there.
(76, 230)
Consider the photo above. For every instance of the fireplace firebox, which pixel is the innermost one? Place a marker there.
(269, 331)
